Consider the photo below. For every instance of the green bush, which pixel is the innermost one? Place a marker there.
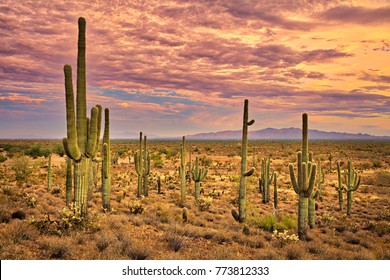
(22, 169)
(2, 158)
(37, 151)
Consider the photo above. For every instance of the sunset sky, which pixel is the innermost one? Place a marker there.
(173, 67)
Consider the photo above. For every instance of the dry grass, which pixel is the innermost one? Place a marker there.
(153, 227)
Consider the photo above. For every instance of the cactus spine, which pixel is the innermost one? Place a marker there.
(106, 164)
(340, 187)
(198, 174)
(49, 173)
(240, 216)
(68, 181)
(265, 179)
(306, 179)
(82, 136)
(352, 182)
(182, 171)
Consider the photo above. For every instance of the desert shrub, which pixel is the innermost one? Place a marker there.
(376, 163)
(22, 169)
(2, 158)
(383, 179)
(56, 248)
(5, 216)
(59, 150)
(206, 161)
(284, 238)
(267, 223)
(175, 241)
(136, 207)
(204, 204)
(7, 190)
(37, 151)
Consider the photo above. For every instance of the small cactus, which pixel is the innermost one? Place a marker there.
(275, 192)
(49, 173)
(340, 187)
(182, 171)
(198, 174)
(240, 216)
(265, 179)
(142, 167)
(352, 182)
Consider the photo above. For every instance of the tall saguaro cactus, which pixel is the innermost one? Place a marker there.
(182, 170)
(352, 182)
(240, 216)
(198, 174)
(82, 136)
(106, 164)
(142, 167)
(306, 180)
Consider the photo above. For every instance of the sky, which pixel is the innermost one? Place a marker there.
(173, 67)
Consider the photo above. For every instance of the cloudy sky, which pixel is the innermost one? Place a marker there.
(173, 67)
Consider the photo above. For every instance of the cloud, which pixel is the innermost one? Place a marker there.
(188, 64)
(357, 14)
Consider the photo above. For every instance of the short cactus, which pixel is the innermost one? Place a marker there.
(49, 173)
(265, 179)
(306, 180)
(182, 171)
(142, 167)
(352, 182)
(320, 178)
(198, 174)
(275, 191)
(340, 187)
(240, 216)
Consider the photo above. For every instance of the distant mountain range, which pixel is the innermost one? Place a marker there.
(284, 134)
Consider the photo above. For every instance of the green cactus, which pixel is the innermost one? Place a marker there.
(240, 216)
(142, 167)
(275, 192)
(182, 171)
(352, 182)
(340, 187)
(198, 174)
(146, 171)
(330, 162)
(159, 185)
(68, 183)
(82, 136)
(320, 178)
(106, 164)
(49, 173)
(306, 180)
(312, 207)
(265, 179)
